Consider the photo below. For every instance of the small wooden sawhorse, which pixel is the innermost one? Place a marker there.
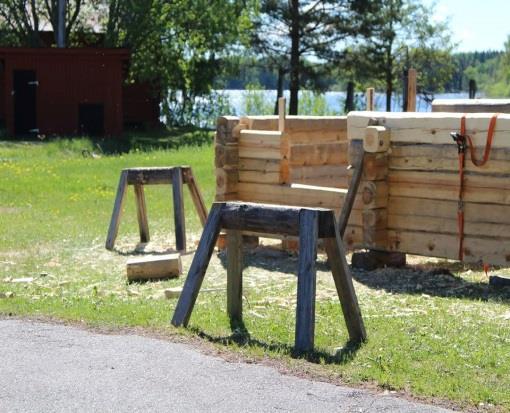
(309, 224)
(138, 177)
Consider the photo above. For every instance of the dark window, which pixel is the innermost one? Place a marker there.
(25, 102)
(91, 119)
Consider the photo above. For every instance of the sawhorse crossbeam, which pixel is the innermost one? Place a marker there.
(138, 177)
(309, 224)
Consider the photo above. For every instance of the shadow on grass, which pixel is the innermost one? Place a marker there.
(434, 279)
(271, 259)
(438, 281)
(161, 138)
(241, 337)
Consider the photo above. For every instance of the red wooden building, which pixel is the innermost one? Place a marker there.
(70, 92)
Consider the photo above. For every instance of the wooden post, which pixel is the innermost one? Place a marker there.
(234, 275)
(141, 212)
(226, 143)
(305, 308)
(198, 268)
(281, 114)
(179, 218)
(370, 98)
(411, 90)
(117, 211)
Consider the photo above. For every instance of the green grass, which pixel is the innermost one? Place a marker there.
(433, 336)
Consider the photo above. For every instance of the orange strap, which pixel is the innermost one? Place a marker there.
(462, 160)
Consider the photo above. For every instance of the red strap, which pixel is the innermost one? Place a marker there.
(476, 162)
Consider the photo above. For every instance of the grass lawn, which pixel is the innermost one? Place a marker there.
(434, 336)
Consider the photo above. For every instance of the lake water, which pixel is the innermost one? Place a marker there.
(334, 100)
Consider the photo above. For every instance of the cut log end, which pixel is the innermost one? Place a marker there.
(377, 139)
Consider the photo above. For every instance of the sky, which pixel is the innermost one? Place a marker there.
(475, 24)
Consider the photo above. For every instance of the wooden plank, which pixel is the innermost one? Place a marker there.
(413, 222)
(343, 218)
(476, 249)
(253, 152)
(433, 128)
(113, 229)
(319, 154)
(446, 151)
(260, 177)
(471, 105)
(345, 289)
(150, 175)
(443, 164)
(372, 195)
(443, 186)
(270, 219)
(196, 195)
(235, 275)
(317, 136)
(305, 307)
(262, 165)
(483, 213)
(141, 213)
(154, 267)
(179, 217)
(327, 172)
(198, 268)
(297, 123)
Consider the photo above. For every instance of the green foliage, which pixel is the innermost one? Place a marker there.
(314, 104)
(255, 102)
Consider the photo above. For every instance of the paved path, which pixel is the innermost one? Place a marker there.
(55, 368)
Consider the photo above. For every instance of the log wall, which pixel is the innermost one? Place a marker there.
(423, 185)
(471, 105)
(408, 198)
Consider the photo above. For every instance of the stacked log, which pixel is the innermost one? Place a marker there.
(423, 185)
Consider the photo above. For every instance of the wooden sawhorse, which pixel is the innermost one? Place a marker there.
(138, 177)
(309, 224)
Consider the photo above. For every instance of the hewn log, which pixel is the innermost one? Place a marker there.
(196, 195)
(343, 218)
(150, 176)
(318, 154)
(224, 128)
(411, 90)
(154, 267)
(272, 219)
(370, 99)
(376, 139)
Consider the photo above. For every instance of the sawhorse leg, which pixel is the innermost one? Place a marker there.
(305, 308)
(117, 211)
(179, 218)
(199, 265)
(141, 212)
(234, 275)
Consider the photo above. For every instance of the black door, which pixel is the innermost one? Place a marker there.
(91, 119)
(25, 106)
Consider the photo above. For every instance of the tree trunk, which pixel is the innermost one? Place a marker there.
(61, 23)
(279, 88)
(389, 79)
(349, 98)
(294, 58)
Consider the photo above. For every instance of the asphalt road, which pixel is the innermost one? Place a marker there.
(56, 368)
